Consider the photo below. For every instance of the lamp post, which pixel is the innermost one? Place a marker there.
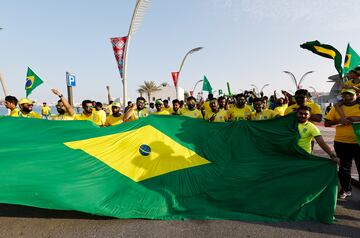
(298, 84)
(182, 64)
(199, 81)
(6, 93)
(262, 88)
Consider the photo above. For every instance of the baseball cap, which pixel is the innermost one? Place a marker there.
(116, 104)
(25, 100)
(158, 101)
(348, 90)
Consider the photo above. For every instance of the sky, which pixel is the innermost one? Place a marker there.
(245, 42)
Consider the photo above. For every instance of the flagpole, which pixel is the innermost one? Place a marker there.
(6, 93)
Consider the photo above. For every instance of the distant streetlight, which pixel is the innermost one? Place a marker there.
(262, 88)
(182, 64)
(6, 93)
(199, 81)
(292, 76)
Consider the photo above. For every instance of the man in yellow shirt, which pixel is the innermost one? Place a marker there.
(175, 107)
(88, 113)
(10, 103)
(101, 113)
(26, 107)
(64, 109)
(222, 103)
(166, 105)
(215, 115)
(308, 131)
(261, 113)
(345, 143)
(160, 110)
(280, 107)
(240, 111)
(301, 98)
(137, 111)
(45, 111)
(190, 110)
(116, 117)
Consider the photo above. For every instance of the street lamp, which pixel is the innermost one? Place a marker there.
(199, 81)
(182, 64)
(262, 88)
(292, 76)
(3, 82)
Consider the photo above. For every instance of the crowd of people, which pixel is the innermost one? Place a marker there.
(244, 106)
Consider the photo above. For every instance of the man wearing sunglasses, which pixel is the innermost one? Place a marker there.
(302, 99)
(26, 107)
(89, 114)
(64, 109)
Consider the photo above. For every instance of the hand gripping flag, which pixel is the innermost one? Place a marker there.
(165, 167)
(118, 44)
(352, 59)
(32, 81)
(326, 51)
(206, 85)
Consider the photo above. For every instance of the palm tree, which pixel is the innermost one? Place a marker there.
(141, 92)
(148, 88)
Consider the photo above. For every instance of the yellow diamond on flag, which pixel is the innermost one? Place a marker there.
(141, 153)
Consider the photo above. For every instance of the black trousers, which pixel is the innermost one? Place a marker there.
(346, 153)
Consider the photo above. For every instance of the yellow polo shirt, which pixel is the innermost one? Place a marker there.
(188, 113)
(308, 132)
(113, 121)
(15, 112)
(344, 134)
(31, 114)
(220, 116)
(236, 114)
(280, 110)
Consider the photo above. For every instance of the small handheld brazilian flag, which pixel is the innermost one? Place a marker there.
(352, 59)
(326, 51)
(32, 81)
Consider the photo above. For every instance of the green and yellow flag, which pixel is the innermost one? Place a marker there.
(32, 81)
(206, 85)
(352, 59)
(326, 51)
(166, 167)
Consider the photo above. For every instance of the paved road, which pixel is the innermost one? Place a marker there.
(19, 221)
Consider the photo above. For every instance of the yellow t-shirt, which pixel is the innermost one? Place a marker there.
(101, 117)
(139, 114)
(15, 112)
(45, 110)
(315, 108)
(63, 117)
(344, 134)
(92, 117)
(236, 114)
(263, 115)
(206, 106)
(220, 116)
(162, 112)
(308, 132)
(194, 113)
(280, 110)
(169, 109)
(113, 121)
(31, 114)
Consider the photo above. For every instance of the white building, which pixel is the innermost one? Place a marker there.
(167, 92)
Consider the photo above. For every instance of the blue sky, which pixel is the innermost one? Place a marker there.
(246, 42)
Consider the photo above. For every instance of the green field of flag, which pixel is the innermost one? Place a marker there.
(166, 167)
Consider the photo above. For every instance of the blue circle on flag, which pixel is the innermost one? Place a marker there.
(28, 83)
(144, 150)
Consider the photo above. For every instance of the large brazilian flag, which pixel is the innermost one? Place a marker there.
(166, 167)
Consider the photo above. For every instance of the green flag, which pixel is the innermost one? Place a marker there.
(220, 91)
(357, 131)
(206, 85)
(326, 51)
(352, 59)
(228, 87)
(166, 167)
(32, 81)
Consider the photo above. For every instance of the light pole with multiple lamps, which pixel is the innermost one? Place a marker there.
(298, 84)
(262, 88)
(181, 66)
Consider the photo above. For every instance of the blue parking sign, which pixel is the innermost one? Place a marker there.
(71, 80)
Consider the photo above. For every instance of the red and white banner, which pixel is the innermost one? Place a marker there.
(175, 76)
(118, 44)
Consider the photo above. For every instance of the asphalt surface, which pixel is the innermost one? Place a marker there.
(21, 221)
